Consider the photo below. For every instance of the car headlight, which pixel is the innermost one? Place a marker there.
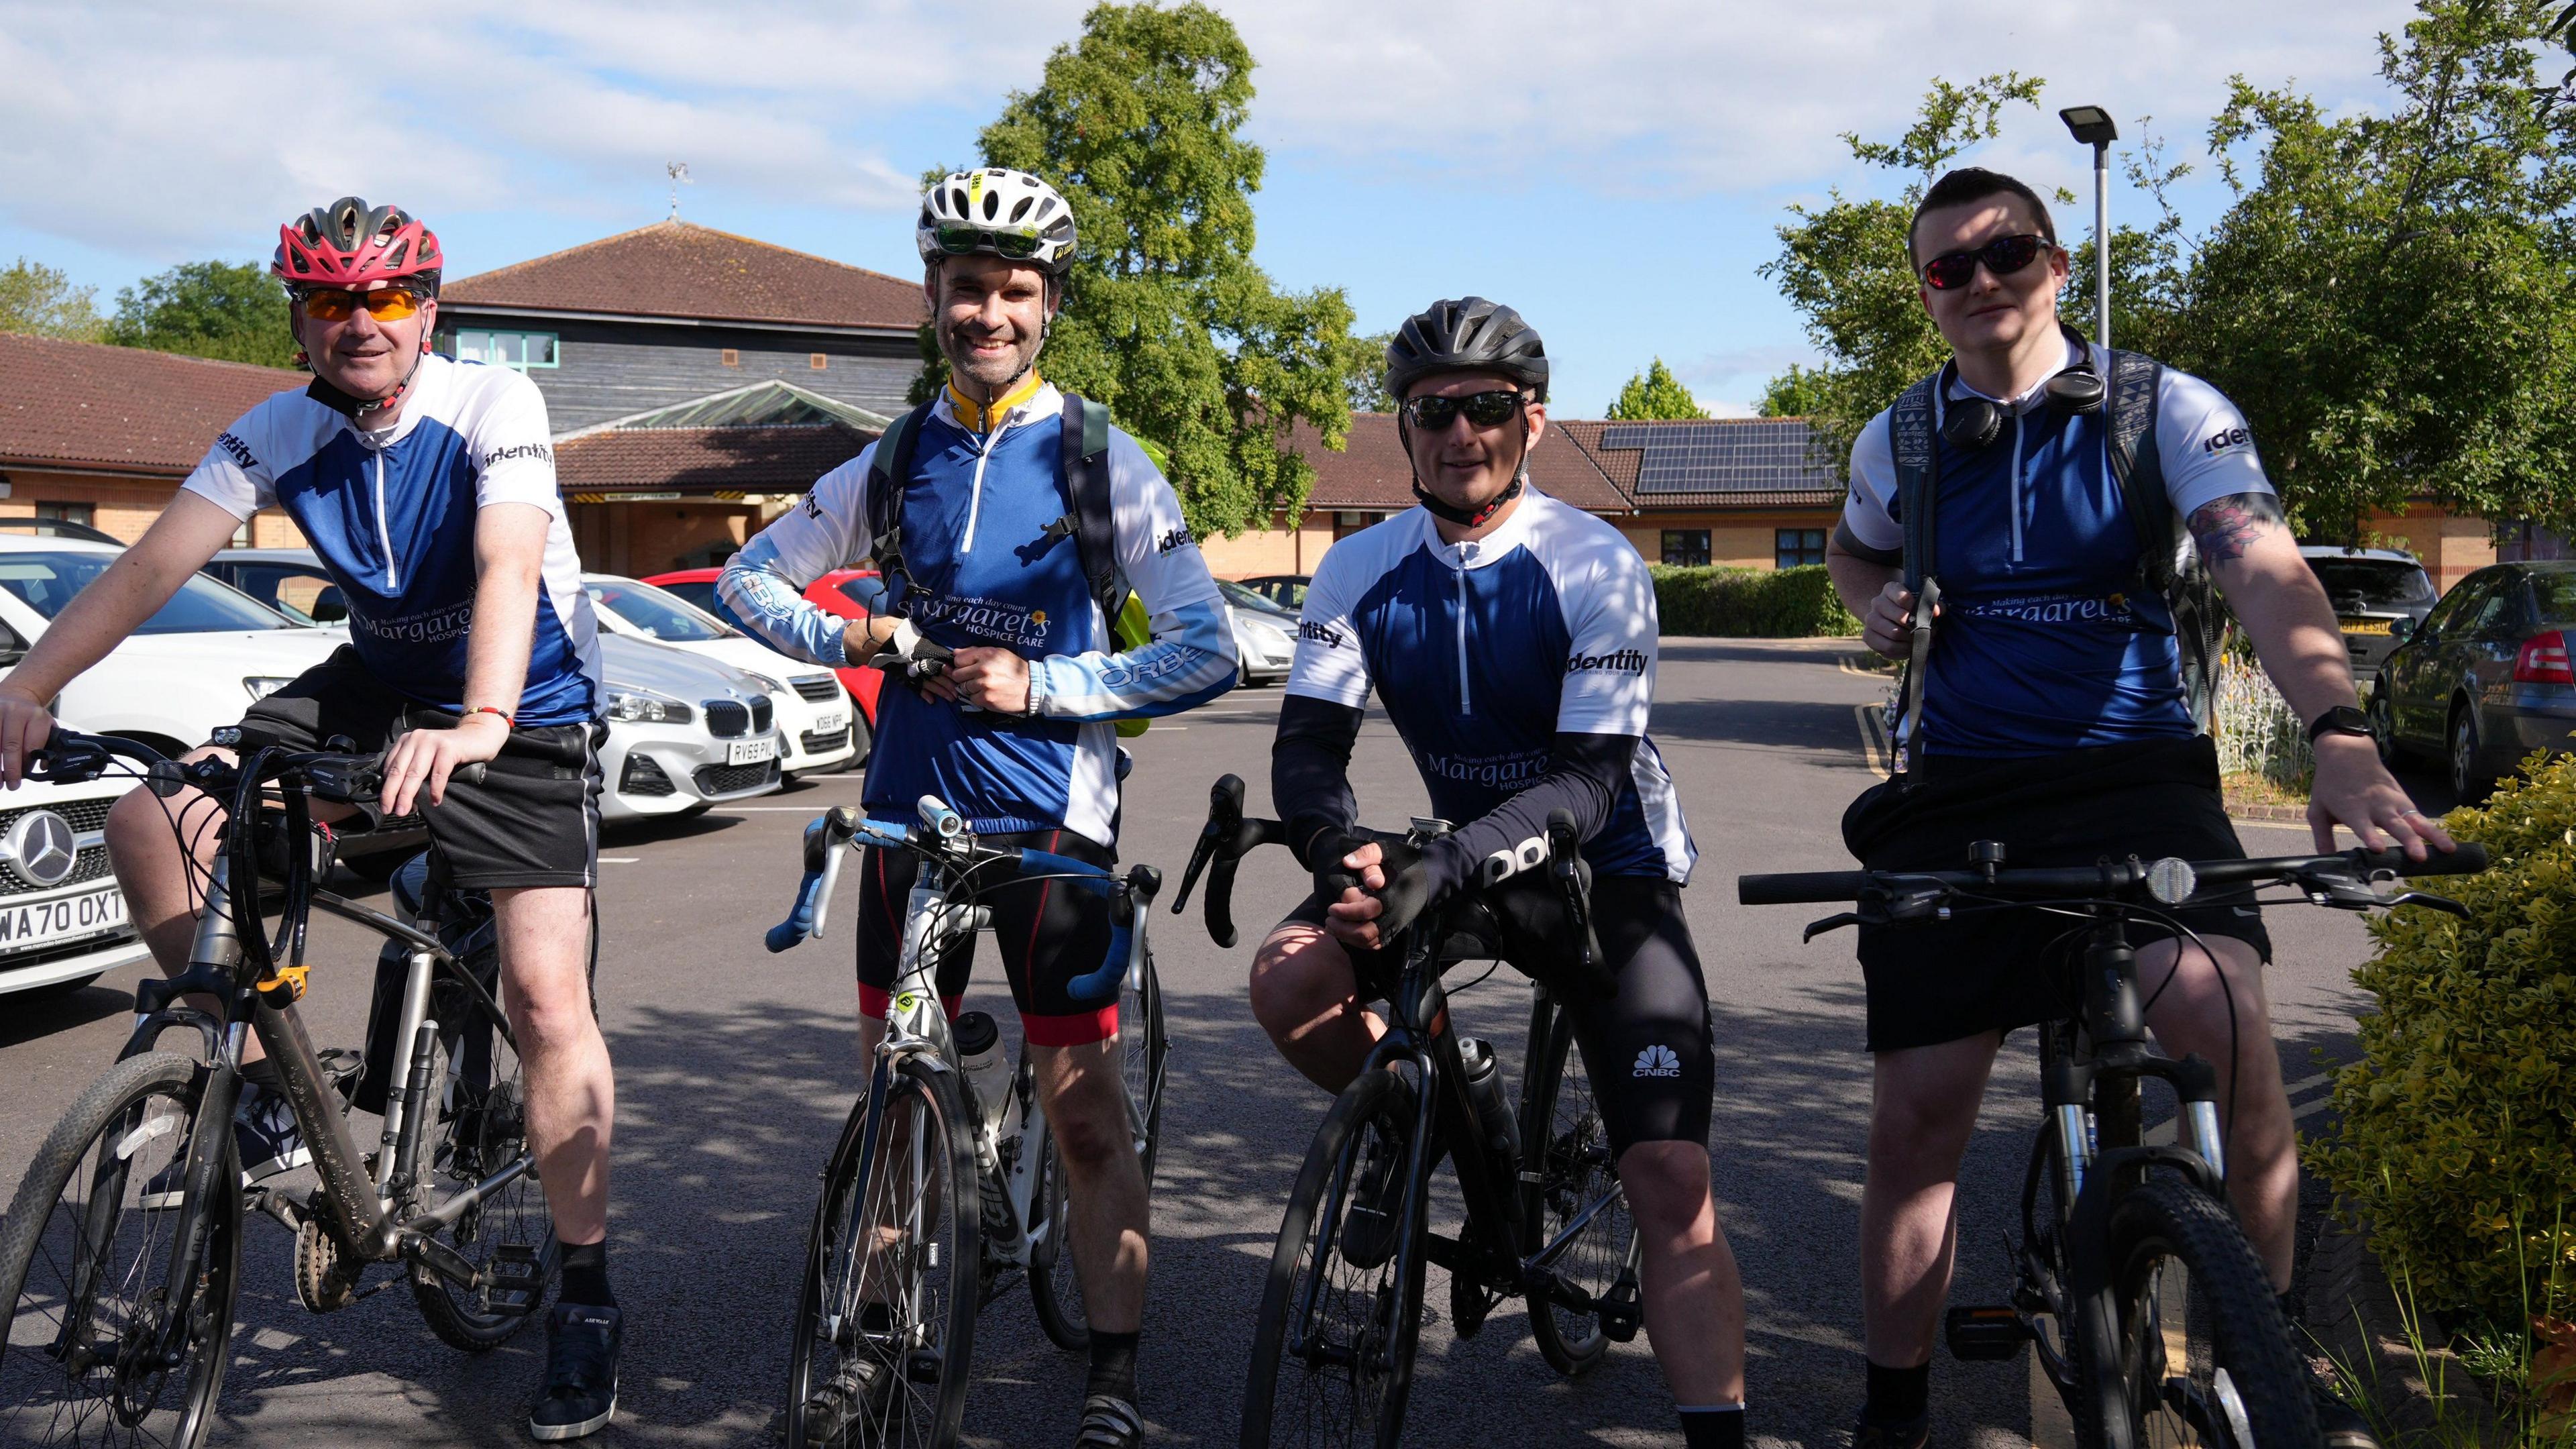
(642, 706)
(1266, 637)
(261, 686)
(767, 684)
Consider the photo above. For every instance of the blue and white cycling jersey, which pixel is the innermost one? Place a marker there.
(391, 513)
(975, 538)
(1485, 651)
(2045, 642)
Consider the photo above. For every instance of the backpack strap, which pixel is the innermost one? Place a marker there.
(2167, 566)
(1085, 455)
(1918, 473)
(889, 473)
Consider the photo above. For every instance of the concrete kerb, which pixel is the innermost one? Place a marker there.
(2356, 1319)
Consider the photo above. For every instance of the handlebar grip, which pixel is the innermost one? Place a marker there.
(2469, 859)
(472, 773)
(1814, 887)
(1220, 903)
(800, 921)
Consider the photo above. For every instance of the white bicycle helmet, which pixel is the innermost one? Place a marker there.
(996, 212)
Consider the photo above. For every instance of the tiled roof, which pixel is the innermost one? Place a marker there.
(681, 269)
(734, 458)
(1697, 475)
(1374, 474)
(91, 406)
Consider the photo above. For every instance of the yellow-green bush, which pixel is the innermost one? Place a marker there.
(2458, 1140)
(1750, 603)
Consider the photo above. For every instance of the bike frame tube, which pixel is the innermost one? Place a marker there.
(391, 1169)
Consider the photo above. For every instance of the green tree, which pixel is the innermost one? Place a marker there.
(1166, 319)
(234, 311)
(1364, 374)
(1655, 394)
(41, 299)
(1801, 392)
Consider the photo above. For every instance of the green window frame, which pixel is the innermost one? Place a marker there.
(512, 349)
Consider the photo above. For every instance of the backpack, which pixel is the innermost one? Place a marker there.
(1084, 479)
(2168, 565)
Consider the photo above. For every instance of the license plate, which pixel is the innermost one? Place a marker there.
(751, 752)
(2365, 626)
(825, 723)
(42, 923)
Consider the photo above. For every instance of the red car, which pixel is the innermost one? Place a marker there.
(849, 593)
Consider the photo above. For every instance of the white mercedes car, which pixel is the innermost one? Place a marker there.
(814, 712)
(62, 918)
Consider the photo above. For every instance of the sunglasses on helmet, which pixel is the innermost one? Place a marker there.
(1484, 409)
(960, 241)
(2003, 256)
(335, 304)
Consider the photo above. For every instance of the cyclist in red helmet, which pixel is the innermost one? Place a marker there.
(427, 487)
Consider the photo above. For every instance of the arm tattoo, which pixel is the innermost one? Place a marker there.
(2225, 527)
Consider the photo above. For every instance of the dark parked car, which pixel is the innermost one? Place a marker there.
(2372, 588)
(1288, 591)
(2484, 680)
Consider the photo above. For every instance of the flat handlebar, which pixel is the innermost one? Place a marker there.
(2110, 877)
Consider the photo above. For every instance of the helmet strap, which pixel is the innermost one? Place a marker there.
(1443, 509)
(353, 407)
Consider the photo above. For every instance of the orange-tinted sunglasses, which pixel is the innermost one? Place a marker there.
(386, 304)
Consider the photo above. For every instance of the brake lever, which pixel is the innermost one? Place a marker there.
(1225, 819)
(1829, 923)
(2429, 901)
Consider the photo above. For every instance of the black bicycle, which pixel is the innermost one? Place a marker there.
(2149, 1310)
(120, 1254)
(1333, 1348)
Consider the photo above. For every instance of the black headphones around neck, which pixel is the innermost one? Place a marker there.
(1973, 423)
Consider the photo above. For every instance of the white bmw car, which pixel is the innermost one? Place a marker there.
(815, 715)
(684, 733)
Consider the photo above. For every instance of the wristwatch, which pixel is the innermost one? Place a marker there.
(2343, 719)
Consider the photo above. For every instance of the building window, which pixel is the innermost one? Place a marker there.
(1793, 547)
(84, 514)
(1686, 547)
(731, 357)
(816, 360)
(521, 350)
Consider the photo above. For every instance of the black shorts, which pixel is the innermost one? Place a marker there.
(1049, 931)
(533, 821)
(1649, 1050)
(1943, 980)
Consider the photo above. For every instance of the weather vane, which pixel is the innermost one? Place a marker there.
(678, 171)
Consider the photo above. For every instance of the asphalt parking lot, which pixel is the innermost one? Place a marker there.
(735, 1068)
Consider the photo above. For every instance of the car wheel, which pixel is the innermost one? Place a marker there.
(2383, 727)
(2469, 783)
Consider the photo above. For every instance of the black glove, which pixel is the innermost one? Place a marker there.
(1416, 881)
(1322, 850)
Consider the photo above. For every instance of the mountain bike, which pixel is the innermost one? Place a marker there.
(1546, 1221)
(2148, 1309)
(932, 1198)
(120, 1255)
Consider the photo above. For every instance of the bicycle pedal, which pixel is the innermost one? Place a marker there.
(342, 1067)
(921, 1366)
(515, 1266)
(1621, 1311)
(1984, 1334)
(1468, 1306)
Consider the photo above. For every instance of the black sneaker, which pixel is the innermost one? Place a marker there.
(839, 1414)
(1109, 1422)
(580, 1395)
(2341, 1425)
(265, 1138)
(1911, 1433)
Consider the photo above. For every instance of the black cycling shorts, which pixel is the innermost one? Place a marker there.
(1050, 932)
(533, 821)
(1938, 981)
(1649, 1050)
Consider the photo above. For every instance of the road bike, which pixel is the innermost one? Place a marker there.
(120, 1256)
(933, 1198)
(1546, 1221)
(2134, 1284)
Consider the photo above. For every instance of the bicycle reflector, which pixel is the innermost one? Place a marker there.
(2543, 660)
(2171, 881)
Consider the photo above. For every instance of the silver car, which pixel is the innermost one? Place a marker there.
(684, 732)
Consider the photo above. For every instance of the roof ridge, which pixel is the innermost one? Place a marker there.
(676, 224)
(792, 251)
(120, 348)
(574, 249)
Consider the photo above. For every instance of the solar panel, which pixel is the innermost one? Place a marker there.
(1762, 456)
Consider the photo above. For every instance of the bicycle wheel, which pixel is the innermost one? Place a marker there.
(1332, 1352)
(1055, 1290)
(481, 1128)
(885, 1325)
(88, 1351)
(2203, 1356)
(1568, 1147)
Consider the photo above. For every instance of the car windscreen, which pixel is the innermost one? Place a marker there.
(867, 591)
(2373, 582)
(658, 614)
(703, 594)
(47, 581)
(2555, 592)
(1243, 598)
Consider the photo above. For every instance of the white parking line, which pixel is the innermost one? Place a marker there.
(619, 859)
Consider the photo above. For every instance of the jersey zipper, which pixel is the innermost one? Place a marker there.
(1466, 703)
(975, 493)
(2016, 487)
(384, 531)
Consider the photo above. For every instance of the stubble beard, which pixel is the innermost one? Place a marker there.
(988, 373)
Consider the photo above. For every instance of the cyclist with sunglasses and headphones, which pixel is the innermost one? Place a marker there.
(1524, 633)
(2051, 713)
(427, 488)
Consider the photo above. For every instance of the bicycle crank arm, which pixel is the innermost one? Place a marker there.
(443, 1260)
(446, 1213)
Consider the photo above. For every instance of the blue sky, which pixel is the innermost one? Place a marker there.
(1614, 172)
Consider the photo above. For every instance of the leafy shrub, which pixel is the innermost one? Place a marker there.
(1750, 603)
(2458, 1139)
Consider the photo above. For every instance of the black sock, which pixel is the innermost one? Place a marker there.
(1113, 1365)
(1719, 1426)
(585, 1276)
(261, 1073)
(1897, 1395)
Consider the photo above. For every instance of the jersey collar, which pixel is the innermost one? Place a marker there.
(427, 391)
(1033, 399)
(2076, 352)
(1476, 553)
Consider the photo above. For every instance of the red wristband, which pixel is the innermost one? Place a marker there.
(506, 721)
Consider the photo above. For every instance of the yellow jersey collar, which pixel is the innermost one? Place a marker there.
(979, 418)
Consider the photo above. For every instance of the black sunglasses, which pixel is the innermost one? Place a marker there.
(2003, 256)
(1484, 409)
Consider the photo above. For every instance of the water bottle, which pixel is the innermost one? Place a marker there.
(1493, 1114)
(987, 1072)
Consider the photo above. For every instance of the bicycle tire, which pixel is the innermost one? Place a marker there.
(2238, 1383)
(1390, 1318)
(484, 1127)
(1055, 1289)
(37, 1241)
(921, 1165)
(1565, 1142)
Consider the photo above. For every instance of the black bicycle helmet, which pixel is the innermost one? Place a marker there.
(1467, 334)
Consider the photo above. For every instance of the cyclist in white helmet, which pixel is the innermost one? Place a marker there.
(964, 505)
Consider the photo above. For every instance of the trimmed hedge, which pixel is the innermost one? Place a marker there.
(2458, 1136)
(1750, 603)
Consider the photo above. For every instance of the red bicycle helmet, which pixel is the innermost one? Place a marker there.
(353, 245)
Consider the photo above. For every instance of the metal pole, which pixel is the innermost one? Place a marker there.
(2102, 243)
